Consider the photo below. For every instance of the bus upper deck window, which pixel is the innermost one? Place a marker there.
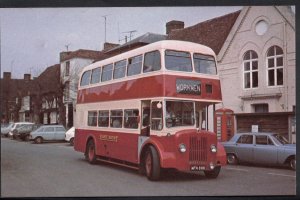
(151, 61)
(204, 64)
(85, 79)
(134, 65)
(95, 78)
(107, 72)
(119, 70)
(178, 61)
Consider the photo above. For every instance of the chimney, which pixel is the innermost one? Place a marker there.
(27, 77)
(173, 25)
(107, 46)
(6, 75)
(63, 55)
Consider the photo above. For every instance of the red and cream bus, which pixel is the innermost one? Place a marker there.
(144, 109)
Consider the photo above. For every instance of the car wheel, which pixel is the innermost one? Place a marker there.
(213, 173)
(72, 141)
(293, 164)
(232, 159)
(91, 152)
(38, 140)
(152, 164)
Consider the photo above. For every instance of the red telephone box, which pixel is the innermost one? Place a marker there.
(224, 124)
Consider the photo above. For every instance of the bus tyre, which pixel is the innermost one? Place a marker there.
(90, 152)
(152, 164)
(213, 173)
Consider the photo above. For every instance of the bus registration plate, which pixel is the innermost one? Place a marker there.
(197, 168)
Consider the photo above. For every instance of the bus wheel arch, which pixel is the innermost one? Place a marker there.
(150, 162)
(90, 150)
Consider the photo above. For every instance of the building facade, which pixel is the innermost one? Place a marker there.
(256, 54)
(71, 64)
(37, 100)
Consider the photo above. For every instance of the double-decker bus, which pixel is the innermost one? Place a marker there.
(145, 108)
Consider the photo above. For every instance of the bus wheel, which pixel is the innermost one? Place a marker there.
(90, 152)
(214, 173)
(152, 165)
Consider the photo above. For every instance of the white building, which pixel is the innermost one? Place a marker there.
(71, 64)
(256, 57)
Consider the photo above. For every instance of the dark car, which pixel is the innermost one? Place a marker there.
(260, 148)
(23, 132)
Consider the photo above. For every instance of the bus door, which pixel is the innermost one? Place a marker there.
(201, 115)
(151, 120)
(145, 124)
(145, 119)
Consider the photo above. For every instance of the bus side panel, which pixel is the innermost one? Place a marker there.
(80, 140)
(123, 90)
(117, 145)
(160, 85)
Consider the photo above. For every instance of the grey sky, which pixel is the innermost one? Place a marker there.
(32, 38)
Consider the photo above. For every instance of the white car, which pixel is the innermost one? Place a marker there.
(69, 137)
(5, 129)
(17, 125)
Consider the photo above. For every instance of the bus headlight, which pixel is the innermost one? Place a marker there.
(182, 148)
(213, 148)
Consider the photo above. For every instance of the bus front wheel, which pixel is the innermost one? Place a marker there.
(90, 153)
(213, 173)
(152, 164)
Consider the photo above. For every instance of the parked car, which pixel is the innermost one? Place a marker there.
(24, 131)
(69, 137)
(17, 125)
(260, 148)
(48, 133)
(5, 129)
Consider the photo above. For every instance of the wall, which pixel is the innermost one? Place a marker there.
(231, 65)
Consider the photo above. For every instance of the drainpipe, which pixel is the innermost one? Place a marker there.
(285, 68)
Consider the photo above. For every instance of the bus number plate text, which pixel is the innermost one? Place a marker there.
(197, 168)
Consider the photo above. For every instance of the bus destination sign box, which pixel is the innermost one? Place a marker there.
(184, 86)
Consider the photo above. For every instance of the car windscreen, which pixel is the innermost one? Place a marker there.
(281, 139)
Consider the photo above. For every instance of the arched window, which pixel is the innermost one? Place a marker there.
(275, 66)
(250, 68)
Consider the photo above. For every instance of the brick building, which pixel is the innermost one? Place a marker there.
(12, 93)
(35, 100)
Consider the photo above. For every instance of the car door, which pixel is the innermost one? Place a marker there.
(59, 133)
(244, 148)
(265, 152)
(48, 133)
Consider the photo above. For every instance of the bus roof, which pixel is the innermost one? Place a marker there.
(164, 44)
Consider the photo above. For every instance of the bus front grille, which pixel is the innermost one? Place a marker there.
(198, 149)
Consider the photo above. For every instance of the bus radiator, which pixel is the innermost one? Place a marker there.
(198, 150)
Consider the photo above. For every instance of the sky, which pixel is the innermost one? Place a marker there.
(32, 38)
